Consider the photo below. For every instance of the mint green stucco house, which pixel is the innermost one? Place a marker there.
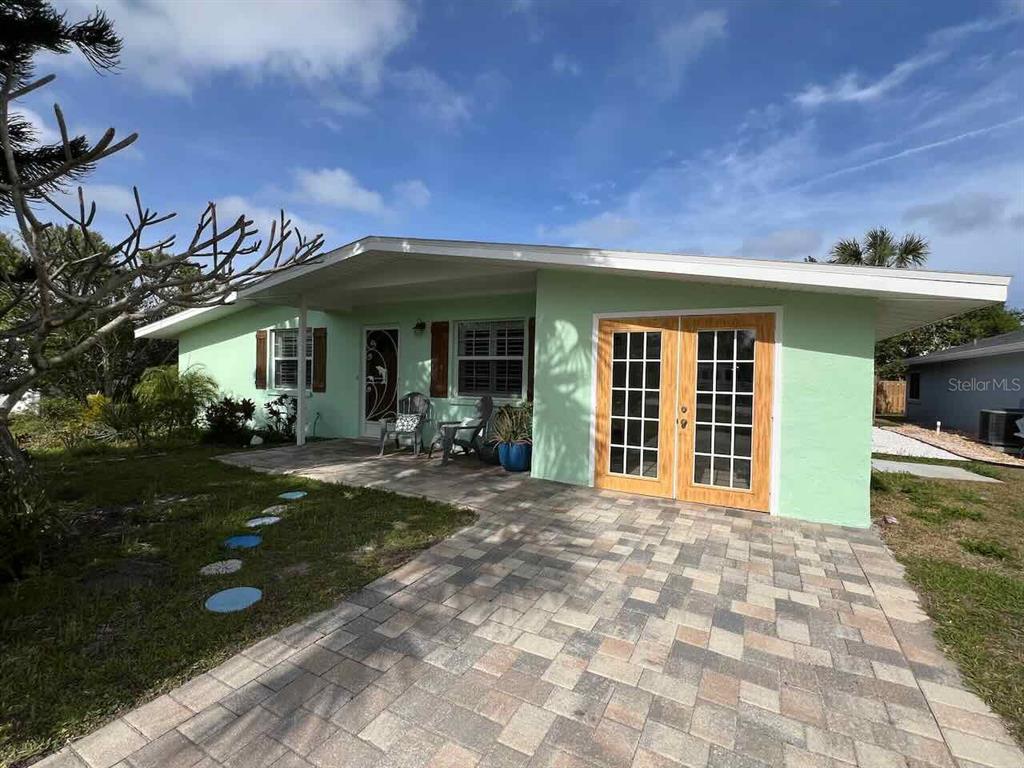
(718, 380)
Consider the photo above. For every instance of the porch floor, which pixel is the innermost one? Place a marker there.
(574, 627)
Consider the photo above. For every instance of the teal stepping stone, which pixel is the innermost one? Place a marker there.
(234, 599)
(243, 541)
(292, 495)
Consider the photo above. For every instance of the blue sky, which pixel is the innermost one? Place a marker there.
(757, 129)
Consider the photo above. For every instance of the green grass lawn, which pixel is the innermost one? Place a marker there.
(963, 546)
(117, 616)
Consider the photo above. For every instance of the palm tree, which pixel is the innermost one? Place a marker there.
(881, 249)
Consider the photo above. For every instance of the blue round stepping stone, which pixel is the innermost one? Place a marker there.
(234, 599)
(256, 522)
(292, 495)
(243, 541)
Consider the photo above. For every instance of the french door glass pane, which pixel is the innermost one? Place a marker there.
(619, 373)
(704, 407)
(636, 382)
(723, 434)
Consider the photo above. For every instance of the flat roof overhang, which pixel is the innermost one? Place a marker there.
(380, 270)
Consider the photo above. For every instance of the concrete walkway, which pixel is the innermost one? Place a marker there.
(934, 471)
(570, 628)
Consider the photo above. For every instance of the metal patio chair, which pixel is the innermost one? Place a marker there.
(413, 415)
(467, 434)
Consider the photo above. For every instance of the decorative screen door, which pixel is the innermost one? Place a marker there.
(380, 377)
(636, 392)
(684, 408)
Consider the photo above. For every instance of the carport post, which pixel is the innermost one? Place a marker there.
(300, 408)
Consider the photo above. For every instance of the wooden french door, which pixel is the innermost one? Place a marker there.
(638, 362)
(684, 407)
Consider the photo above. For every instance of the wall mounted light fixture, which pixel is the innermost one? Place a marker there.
(420, 327)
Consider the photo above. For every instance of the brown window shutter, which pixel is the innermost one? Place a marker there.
(261, 359)
(531, 341)
(319, 360)
(439, 359)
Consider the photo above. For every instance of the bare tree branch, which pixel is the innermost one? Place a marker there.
(77, 281)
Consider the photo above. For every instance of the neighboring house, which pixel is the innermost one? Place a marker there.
(953, 386)
(29, 403)
(723, 381)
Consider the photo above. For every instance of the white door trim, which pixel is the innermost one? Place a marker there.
(364, 426)
(776, 452)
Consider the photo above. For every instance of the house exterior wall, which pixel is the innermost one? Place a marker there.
(825, 373)
(226, 349)
(824, 377)
(954, 392)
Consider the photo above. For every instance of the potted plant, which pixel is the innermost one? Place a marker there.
(513, 432)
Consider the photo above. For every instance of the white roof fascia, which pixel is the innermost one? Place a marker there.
(966, 354)
(873, 281)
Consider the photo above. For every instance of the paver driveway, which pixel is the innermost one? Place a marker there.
(571, 627)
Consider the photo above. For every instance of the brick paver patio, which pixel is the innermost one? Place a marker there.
(570, 627)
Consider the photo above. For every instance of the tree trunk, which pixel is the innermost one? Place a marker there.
(9, 449)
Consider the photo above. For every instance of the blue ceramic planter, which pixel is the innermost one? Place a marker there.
(515, 457)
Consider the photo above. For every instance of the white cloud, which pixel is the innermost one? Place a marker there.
(229, 208)
(173, 45)
(344, 105)
(909, 151)
(851, 88)
(44, 132)
(412, 193)
(337, 188)
(604, 230)
(112, 198)
(112, 202)
(527, 10)
(433, 98)
(776, 196)
(677, 46)
(962, 213)
(564, 64)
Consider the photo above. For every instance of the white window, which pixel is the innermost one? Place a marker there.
(491, 358)
(285, 360)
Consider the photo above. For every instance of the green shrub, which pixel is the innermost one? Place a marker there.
(29, 523)
(175, 397)
(281, 416)
(986, 548)
(127, 420)
(227, 420)
(59, 424)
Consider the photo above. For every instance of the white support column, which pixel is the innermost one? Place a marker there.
(300, 410)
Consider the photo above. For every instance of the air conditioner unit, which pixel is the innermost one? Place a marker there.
(997, 428)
